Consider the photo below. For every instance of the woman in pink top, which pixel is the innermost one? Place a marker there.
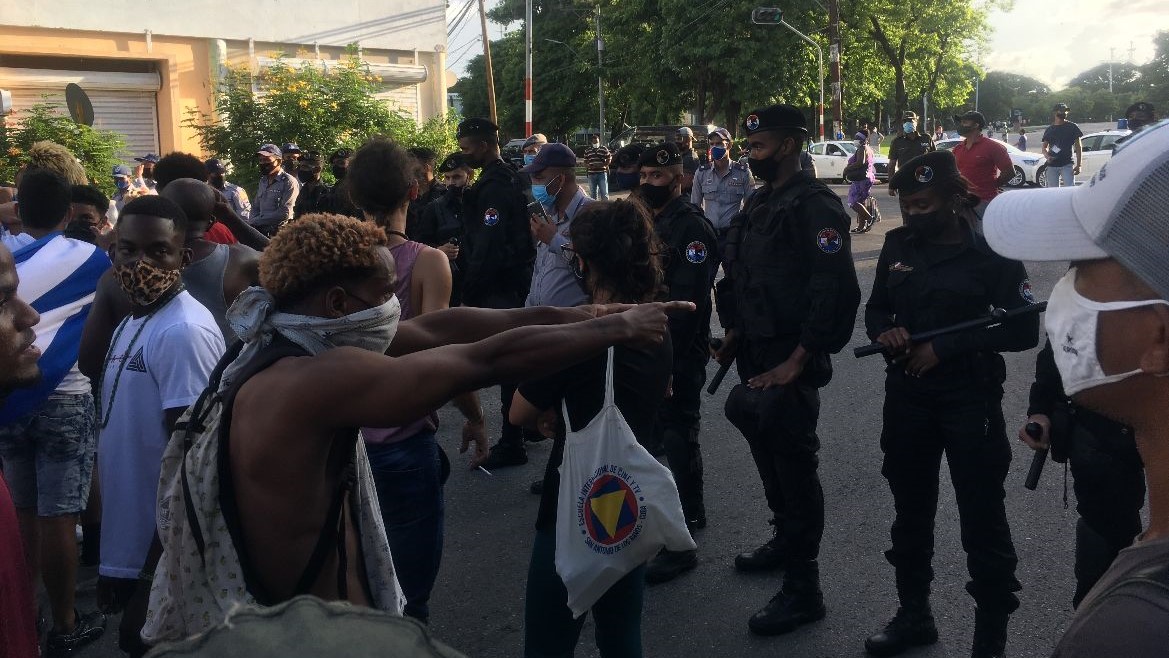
(408, 466)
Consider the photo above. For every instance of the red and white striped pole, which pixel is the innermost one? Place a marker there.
(528, 68)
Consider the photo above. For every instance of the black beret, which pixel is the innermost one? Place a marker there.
(776, 117)
(452, 162)
(476, 127)
(628, 156)
(1142, 106)
(924, 171)
(661, 155)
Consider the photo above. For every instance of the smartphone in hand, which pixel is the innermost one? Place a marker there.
(537, 209)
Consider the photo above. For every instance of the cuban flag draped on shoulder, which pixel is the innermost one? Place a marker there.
(58, 278)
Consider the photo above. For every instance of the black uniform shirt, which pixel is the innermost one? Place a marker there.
(924, 286)
(498, 239)
(907, 147)
(418, 206)
(688, 240)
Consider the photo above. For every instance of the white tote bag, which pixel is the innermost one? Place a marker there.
(618, 505)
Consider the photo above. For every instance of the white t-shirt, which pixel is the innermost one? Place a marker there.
(167, 367)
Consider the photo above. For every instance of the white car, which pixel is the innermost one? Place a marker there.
(1098, 149)
(831, 158)
(1030, 168)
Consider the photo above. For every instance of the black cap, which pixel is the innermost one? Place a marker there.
(476, 127)
(215, 166)
(1141, 106)
(290, 147)
(776, 117)
(661, 155)
(628, 156)
(309, 160)
(452, 162)
(924, 171)
(909, 114)
(972, 116)
(1059, 107)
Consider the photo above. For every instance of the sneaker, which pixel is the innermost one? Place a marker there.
(504, 455)
(668, 565)
(86, 629)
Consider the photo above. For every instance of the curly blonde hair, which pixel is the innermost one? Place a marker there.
(319, 250)
(57, 159)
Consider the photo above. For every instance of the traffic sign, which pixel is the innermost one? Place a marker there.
(767, 16)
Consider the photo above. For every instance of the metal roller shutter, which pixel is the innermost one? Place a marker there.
(125, 103)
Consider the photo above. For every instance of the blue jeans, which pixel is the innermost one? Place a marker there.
(48, 455)
(408, 476)
(1064, 173)
(549, 629)
(599, 185)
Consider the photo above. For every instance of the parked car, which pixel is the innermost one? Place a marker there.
(650, 135)
(1030, 168)
(831, 158)
(512, 152)
(1098, 148)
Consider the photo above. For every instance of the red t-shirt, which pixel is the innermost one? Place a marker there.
(981, 163)
(220, 234)
(18, 626)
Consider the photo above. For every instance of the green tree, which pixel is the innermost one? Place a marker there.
(320, 109)
(96, 149)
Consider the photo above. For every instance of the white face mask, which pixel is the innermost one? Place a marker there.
(370, 329)
(1072, 325)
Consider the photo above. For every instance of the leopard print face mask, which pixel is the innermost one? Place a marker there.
(145, 283)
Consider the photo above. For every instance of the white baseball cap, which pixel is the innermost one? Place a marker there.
(1120, 213)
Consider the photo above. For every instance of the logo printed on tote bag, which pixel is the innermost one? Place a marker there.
(610, 510)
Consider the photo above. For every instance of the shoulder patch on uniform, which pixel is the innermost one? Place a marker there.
(923, 174)
(829, 240)
(696, 252)
(1025, 291)
(491, 217)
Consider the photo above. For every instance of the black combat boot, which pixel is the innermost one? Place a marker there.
(912, 626)
(771, 555)
(668, 565)
(990, 633)
(799, 602)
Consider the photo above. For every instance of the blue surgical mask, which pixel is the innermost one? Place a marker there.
(718, 152)
(540, 193)
(907, 126)
(529, 158)
(122, 184)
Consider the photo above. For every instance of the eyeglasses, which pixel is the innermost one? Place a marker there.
(574, 261)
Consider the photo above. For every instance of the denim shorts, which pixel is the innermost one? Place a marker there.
(48, 456)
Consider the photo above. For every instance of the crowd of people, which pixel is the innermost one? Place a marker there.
(164, 353)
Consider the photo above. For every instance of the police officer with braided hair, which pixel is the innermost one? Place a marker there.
(499, 253)
(788, 301)
(944, 396)
(688, 244)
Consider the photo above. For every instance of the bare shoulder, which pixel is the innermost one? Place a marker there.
(432, 263)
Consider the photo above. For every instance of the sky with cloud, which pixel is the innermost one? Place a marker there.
(1054, 41)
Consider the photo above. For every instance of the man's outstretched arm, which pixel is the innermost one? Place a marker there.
(468, 325)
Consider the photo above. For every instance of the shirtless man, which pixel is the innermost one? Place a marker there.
(328, 283)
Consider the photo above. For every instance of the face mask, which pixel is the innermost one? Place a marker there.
(765, 169)
(217, 180)
(529, 158)
(596, 144)
(928, 224)
(1071, 323)
(371, 329)
(628, 181)
(145, 283)
(306, 177)
(267, 167)
(907, 126)
(718, 152)
(655, 196)
(967, 130)
(339, 172)
(540, 193)
(122, 184)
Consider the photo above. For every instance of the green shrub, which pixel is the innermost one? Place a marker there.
(96, 149)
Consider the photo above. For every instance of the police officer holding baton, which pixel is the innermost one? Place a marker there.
(788, 301)
(945, 396)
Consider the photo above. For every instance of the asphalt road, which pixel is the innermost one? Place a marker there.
(477, 605)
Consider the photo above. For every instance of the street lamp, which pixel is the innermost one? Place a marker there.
(774, 16)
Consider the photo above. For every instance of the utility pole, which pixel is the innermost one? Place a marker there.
(834, 37)
(1111, 58)
(487, 59)
(600, 79)
(527, 68)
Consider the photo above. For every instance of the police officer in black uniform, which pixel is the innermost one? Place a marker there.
(788, 300)
(440, 224)
(430, 187)
(497, 242)
(906, 146)
(688, 244)
(945, 396)
(1107, 471)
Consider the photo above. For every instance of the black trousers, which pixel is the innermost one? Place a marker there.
(780, 427)
(920, 424)
(677, 429)
(1109, 483)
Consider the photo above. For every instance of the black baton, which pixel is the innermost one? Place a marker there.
(1035, 431)
(717, 344)
(997, 316)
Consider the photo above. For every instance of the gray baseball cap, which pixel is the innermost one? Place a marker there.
(1119, 213)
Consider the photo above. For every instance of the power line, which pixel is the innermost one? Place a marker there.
(460, 18)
